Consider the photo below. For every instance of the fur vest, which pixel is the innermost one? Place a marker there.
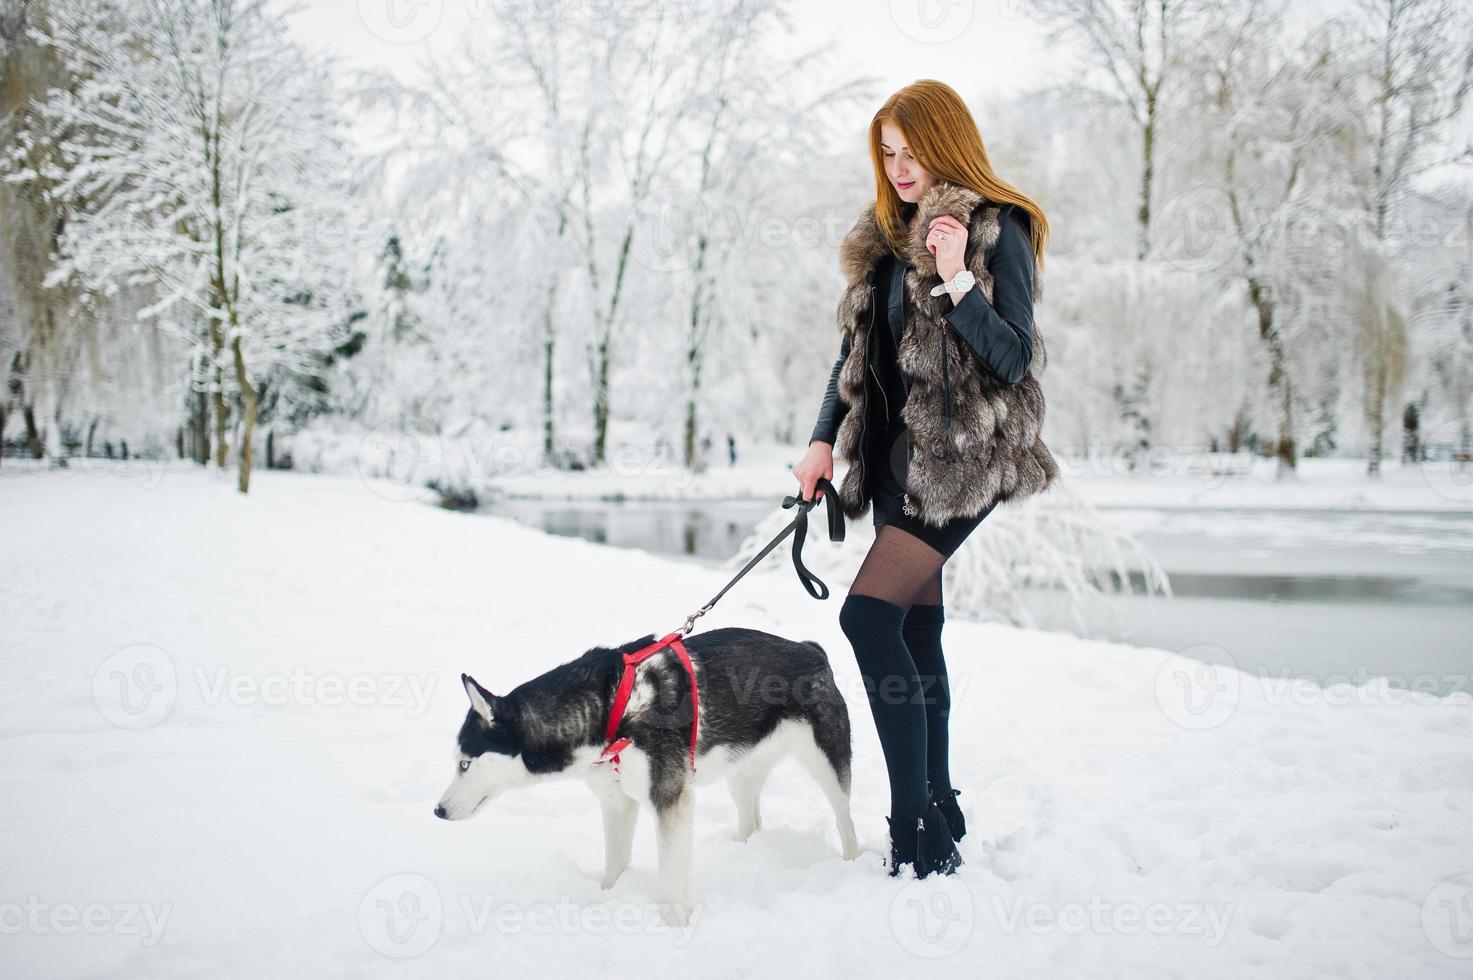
(972, 441)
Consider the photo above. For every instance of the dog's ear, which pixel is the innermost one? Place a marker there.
(481, 699)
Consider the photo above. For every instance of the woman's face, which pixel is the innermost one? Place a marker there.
(906, 176)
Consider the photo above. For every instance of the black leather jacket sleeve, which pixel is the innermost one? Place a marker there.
(833, 409)
(1000, 333)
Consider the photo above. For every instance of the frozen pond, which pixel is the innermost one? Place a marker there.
(1326, 594)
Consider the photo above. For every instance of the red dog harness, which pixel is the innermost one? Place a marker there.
(626, 687)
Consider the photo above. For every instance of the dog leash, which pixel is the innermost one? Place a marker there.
(799, 523)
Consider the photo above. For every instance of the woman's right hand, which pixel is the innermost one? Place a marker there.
(817, 462)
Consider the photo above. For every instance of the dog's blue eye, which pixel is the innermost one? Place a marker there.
(464, 765)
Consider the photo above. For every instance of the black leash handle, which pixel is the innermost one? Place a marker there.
(800, 523)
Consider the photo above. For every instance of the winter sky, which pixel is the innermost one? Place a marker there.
(898, 40)
(982, 48)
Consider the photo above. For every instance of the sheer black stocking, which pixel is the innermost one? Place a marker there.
(898, 566)
(903, 693)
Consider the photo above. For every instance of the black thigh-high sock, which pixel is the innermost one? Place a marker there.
(894, 691)
(922, 632)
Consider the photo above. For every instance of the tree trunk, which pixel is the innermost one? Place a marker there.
(1376, 417)
(1279, 384)
(694, 359)
(33, 435)
(601, 403)
(549, 350)
(248, 412)
(1239, 430)
(201, 423)
(1148, 171)
(222, 410)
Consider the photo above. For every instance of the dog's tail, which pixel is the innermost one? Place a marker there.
(829, 716)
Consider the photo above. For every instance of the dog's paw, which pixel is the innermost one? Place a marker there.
(610, 878)
(852, 852)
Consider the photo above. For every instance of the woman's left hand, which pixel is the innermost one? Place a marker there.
(947, 240)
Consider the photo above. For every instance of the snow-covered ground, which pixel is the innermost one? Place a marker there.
(226, 719)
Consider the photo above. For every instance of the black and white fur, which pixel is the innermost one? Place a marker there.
(762, 697)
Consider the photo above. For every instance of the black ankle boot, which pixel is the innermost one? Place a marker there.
(952, 811)
(926, 845)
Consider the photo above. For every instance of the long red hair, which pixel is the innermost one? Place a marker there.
(943, 138)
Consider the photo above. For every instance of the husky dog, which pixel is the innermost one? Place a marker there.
(760, 697)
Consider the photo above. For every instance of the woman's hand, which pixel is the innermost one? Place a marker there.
(947, 240)
(817, 462)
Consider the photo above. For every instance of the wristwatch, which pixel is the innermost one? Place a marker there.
(960, 283)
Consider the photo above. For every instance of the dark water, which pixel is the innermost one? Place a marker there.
(1320, 594)
(707, 530)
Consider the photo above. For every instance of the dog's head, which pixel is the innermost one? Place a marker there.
(488, 756)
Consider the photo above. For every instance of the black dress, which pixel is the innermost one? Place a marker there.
(887, 452)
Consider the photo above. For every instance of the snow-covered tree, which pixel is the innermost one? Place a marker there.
(203, 161)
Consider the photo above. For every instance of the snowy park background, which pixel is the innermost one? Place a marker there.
(352, 345)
